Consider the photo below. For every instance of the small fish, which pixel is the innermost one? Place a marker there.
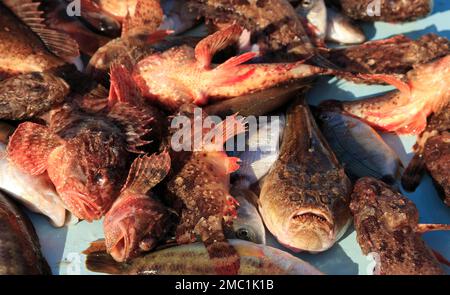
(248, 224)
(193, 259)
(341, 29)
(137, 220)
(37, 193)
(404, 111)
(359, 147)
(86, 154)
(315, 12)
(386, 10)
(305, 196)
(386, 224)
(262, 148)
(395, 55)
(185, 75)
(431, 153)
(200, 181)
(20, 251)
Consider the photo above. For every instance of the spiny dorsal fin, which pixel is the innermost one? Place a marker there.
(58, 43)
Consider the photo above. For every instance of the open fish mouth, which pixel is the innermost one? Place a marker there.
(309, 230)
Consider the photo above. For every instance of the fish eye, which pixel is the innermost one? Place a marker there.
(306, 3)
(99, 179)
(244, 234)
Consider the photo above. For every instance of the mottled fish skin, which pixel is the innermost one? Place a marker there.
(199, 181)
(184, 75)
(20, 252)
(396, 55)
(193, 259)
(431, 154)
(385, 223)
(273, 23)
(305, 196)
(390, 10)
(404, 111)
(358, 147)
(22, 50)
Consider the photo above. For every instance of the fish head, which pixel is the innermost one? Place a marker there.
(315, 12)
(100, 19)
(342, 30)
(87, 175)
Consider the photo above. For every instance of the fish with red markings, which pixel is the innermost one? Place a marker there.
(404, 111)
(86, 154)
(199, 182)
(184, 75)
(137, 221)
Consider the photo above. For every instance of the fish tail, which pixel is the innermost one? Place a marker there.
(413, 173)
(104, 263)
(147, 171)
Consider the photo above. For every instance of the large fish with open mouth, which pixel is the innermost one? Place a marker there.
(199, 182)
(20, 251)
(186, 75)
(193, 259)
(432, 154)
(404, 111)
(387, 226)
(85, 154)
(305, 196)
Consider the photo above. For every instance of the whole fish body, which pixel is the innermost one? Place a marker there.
(185, 75)
(305, 196)
(20, 251)
(385, 223)
(405, 111)
(86, 154)
(37, 193)
(395, 55)
(388, 10)
(431, 153)
(193, 259)
(358, 147)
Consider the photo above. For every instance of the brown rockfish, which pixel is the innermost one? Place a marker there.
(387, 226)
(199, 181)
(86, 154)
(305, 196)
(404, 111)
(185, 75)
(20, 252)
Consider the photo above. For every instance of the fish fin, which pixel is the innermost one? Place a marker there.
(424, 228)
(123, 88)
(148, 16)
(158, 36)
(95, 246)
(391, 80)
(440, 258)
(147, 171)
(237, 60)
(95, 101)
(209, 46)
(232, 164)
(225, 130)
(104, 263)
(58, 43)
(30, 147)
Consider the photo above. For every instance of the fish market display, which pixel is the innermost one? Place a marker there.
(386, 224)
(193, 259)
(432, 154)
(20, 251)
(36, 193)
(200, 181)
(386, 10)
(405, 111)
(184, 74)
(136, 221)
(305, 196)
(359, 147)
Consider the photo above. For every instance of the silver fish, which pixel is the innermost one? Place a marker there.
(248, 225)
(341, 29)
(359, 147)
(315, 12)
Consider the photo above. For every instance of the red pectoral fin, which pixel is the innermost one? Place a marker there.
(123, 88)
(205, 49)
(391, 80)
(30, 147)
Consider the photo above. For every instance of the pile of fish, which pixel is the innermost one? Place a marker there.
(92, 106)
